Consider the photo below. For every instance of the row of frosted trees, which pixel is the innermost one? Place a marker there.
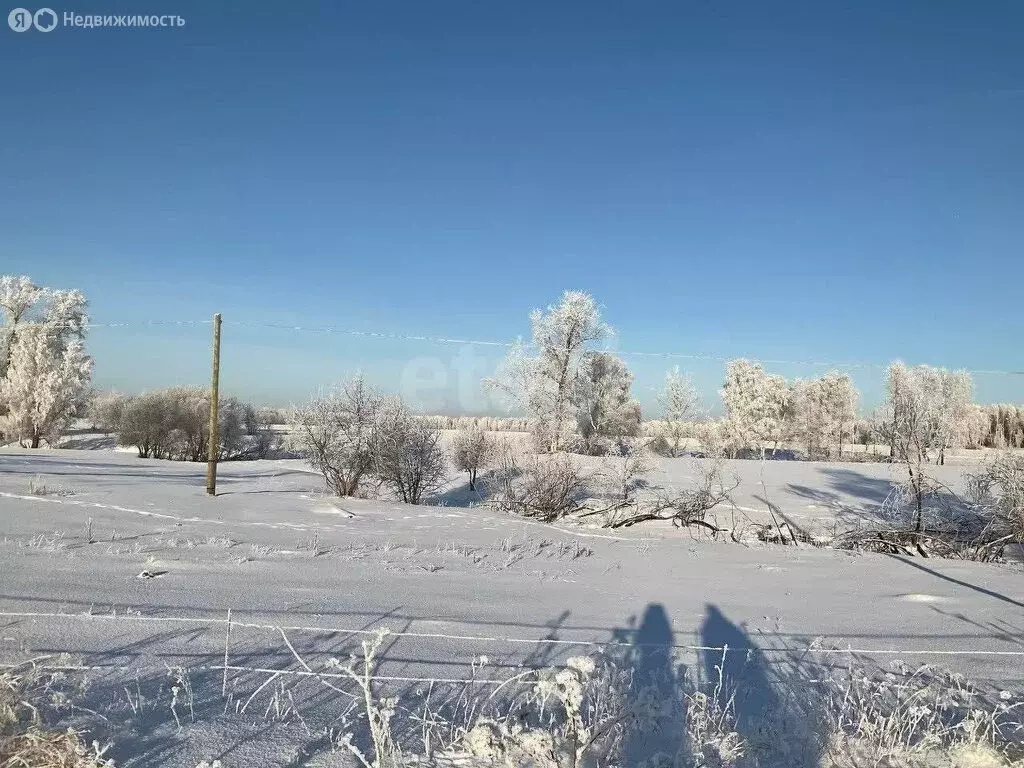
(577, 397)
(574, 394)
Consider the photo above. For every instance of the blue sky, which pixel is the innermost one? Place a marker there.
(810, 181)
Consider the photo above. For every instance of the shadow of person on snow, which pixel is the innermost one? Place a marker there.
(775, 707)
(655, 695)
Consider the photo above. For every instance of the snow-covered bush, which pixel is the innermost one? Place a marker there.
(998, 489)
(407, 456)
(335, 433)
(146, 424)
(175, 424)
(472, 450)
(626, 474)
(24, 738)
(44, 370)
(354, 436)
(544, 487)
(686, 507)
(105, 410)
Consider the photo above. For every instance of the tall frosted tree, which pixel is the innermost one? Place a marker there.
(953, 421)
(758, 406)
(607, 409)
(681, 406)
(927, 410)
(825, 411)
(841, 402)
(45, 370)
(18, 295)
(544, 378)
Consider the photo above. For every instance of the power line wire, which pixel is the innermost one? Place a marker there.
(213, 621)
(395, 336)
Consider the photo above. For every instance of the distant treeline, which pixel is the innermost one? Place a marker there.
(1005, 427)
(992, 426)
(487, 423)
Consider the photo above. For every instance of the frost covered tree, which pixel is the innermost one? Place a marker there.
(841, 400)
(953, 420)
(976, 427)
(681, 406)
(811, 422)
(45, 371)
(927, 410)
(758, 406)
(335, 433)
(825, 411)
(472, 449)
(911, 408)
(18, 295)
(607, 409)
(406, 453)
(105, 410)
(543, 378)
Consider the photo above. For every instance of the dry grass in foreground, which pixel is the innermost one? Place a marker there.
(26, 743)
(601, 712)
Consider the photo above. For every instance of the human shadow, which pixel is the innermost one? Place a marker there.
(655, 695)
(762, 698)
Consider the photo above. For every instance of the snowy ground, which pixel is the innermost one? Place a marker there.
(460, 581)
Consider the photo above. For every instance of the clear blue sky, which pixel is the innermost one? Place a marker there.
(815, 180)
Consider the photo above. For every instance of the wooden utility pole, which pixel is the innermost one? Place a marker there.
(214, 447)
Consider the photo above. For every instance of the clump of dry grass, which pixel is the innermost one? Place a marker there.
(38, 487)
(47, 543)
(26, 743)
(593, 710)
(923, 718)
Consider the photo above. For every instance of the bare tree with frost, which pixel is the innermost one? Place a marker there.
(956, 411)
(472, 450)
(926, 411)
(682, 406)
(335, 432)
(406, 452)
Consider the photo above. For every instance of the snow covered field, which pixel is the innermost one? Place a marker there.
(453, 582)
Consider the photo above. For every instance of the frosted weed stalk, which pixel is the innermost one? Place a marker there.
(591, 712)
(379, 710)
(37, 487)
(915, 717)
